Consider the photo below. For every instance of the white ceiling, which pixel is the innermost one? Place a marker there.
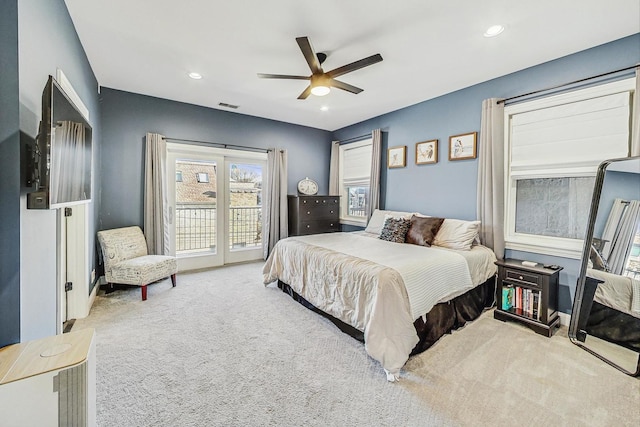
(430, 48)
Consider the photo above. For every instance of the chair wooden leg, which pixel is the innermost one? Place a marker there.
(173, 279)
(144, 292)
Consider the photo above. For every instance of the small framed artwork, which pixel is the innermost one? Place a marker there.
(397, 157)
(462, 147)
(427, 152)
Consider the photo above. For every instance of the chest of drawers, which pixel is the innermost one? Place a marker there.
(313, 214)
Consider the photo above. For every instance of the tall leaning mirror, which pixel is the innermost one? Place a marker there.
(605, 318)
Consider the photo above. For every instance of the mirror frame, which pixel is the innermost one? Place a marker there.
(580, 284)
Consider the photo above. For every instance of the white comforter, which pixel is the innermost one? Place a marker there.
(375, 286)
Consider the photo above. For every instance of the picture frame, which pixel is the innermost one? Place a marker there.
(427, 152)
(397, 157)
(463, 146)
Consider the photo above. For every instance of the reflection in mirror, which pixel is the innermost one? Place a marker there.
(606, 311)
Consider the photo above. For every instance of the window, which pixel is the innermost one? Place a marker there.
(354, 177)
(553, 148)
(202, 177)
(178, 176)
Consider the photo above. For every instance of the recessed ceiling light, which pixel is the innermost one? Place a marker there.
(324, 108)
(195, 76)
(493, 30)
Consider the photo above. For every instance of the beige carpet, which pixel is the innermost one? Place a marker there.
(222, 350)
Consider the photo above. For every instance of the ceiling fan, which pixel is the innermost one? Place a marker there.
(321, 82)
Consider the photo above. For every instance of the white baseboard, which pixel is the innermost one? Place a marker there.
(564, 319)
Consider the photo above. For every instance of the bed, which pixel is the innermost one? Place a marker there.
(615, 313)
(398, 298)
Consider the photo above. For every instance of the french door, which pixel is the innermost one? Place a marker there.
(215, 205)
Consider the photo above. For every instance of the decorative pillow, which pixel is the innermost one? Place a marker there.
(423, 230)
(395, 229)
(376, 222)
(457, 234)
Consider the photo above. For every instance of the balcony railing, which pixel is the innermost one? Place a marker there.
(196, 228)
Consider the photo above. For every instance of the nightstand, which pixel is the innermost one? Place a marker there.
(528, 295)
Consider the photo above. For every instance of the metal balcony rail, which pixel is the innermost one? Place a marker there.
(196, 228)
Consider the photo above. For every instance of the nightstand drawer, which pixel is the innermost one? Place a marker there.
(520, 276)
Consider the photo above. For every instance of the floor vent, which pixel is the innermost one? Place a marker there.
(224, 104)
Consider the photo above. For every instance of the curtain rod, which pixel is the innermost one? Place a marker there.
(221, 145)
(567, 84)
(354, 139)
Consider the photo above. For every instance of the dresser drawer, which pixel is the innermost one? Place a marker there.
(317, 227)
(318, 201)
(318, 212)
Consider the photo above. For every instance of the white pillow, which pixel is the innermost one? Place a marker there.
(457, 234)
(377, 219)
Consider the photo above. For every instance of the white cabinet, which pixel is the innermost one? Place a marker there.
(49, 382)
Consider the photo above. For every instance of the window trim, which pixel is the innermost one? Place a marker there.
(548, 245)
(344, 205)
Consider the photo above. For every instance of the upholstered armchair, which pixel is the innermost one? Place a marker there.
(126, 260)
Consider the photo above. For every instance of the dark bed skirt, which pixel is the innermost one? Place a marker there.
(614, 326)
(442, 319)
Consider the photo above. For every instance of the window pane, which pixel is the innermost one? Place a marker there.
(245, 206)
(358, 199)
(556, 207)
(196, 204)
(632, 269)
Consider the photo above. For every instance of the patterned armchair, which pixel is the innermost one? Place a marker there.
(126, 260)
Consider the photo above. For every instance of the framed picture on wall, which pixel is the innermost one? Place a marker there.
(462, 147)
(397, 157)
(427, 152)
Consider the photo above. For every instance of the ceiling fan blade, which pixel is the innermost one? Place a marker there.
(282, 76)
(306, 93)
(355, 65)
(309, 55)
(345, 86)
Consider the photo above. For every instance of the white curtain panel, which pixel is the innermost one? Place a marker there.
(275, 225)
(635, 131)
(374, 181)
(490, 203)
(67, 162)
(156, 210)
(611, 226)
(334, 169)
(619, 233)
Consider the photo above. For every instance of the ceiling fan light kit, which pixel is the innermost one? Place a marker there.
(320, 82)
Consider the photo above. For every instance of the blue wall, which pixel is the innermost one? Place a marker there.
(127, 117)
(449, 188)
(9, 176)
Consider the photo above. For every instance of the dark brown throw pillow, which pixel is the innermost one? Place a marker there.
(395, 229)
(423, 230)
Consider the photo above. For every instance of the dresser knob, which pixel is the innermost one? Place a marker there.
(331, 225)
(308, 213)
(324, 201)
(521, 278)
(308, 226)
(317, 201)
(330, 211)
(304, 201)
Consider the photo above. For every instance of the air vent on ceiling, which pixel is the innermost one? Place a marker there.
(224, 104)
